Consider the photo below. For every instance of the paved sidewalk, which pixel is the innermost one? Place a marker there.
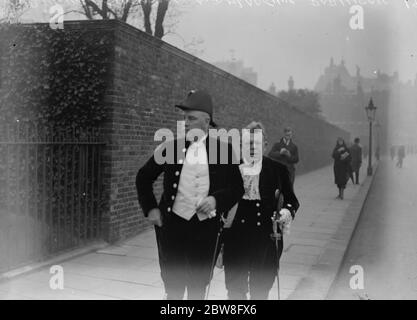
(130, 270)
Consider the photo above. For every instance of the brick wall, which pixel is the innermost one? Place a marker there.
(148, 77)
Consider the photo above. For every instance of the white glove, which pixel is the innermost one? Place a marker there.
(285, 220)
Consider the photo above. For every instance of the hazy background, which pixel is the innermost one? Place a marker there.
(278, 39)
(299, 39)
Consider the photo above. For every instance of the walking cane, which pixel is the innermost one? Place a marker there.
(213, 263)
(277, 235)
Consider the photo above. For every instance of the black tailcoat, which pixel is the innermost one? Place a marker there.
(248, 247)
(186, 247)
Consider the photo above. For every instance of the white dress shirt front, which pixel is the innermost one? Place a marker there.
(250, 174)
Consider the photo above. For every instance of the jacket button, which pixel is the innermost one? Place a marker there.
(184, 150)
(258, 224)
(243, 221)
(169, 209)
(259, 214)
(257, 204)
(177, 173)
(174, 185)
(173, 197)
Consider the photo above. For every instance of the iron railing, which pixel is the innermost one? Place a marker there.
(50, 191)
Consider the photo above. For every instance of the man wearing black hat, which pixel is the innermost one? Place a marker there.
(197, 189)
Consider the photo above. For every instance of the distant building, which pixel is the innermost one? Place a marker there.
(290, 84)
(336, 78)
(236, 68)
(343, 98)
(272, 89)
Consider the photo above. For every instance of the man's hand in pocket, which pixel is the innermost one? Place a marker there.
(155, 218)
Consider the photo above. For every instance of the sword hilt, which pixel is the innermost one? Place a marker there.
(275, 235)
(276, 231)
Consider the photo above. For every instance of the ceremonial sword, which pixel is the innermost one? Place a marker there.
(216, 248)
(277, 235)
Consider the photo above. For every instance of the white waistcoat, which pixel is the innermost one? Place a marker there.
(194, 182)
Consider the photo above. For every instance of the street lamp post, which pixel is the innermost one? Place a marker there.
(370, 112)
(378, 140)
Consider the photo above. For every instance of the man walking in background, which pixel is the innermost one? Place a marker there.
(286, 152)
(356, 155)
(401, 156)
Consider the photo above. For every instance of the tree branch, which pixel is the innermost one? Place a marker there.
(147, 8)
(104, 9)
(126, 11)
(75, 11)
(95, 7)
(86, 9)
(160, 15)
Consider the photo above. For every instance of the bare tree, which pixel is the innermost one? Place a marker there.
(113, 9)
(125, 9)
(147, 10)
(12, 10)
(160, 16)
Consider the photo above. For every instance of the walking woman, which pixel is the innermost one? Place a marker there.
(341, 168)
(250, 257)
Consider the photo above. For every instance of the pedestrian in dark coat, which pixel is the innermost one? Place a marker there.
(198, 186)
(286, 152)
(356, 158)
(250, 257)
(401, 156)
(392, 152)
(342, 158)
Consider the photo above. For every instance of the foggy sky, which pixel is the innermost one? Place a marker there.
(299, 39)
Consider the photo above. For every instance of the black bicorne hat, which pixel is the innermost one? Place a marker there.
(198, 100)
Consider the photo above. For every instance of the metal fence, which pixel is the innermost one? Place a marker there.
(50, 191)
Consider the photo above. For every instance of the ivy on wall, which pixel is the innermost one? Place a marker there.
(54, 77)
